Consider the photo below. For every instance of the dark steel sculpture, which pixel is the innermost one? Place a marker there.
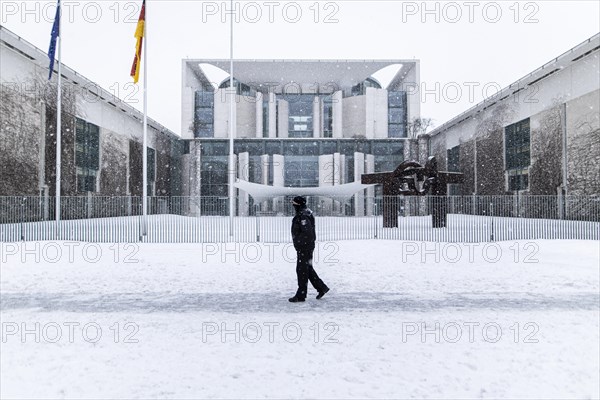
(404, 180)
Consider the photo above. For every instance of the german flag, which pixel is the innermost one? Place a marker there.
(139, 35)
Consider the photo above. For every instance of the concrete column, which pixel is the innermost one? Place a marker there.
(412, 82)
(193, 178)
(316, 117)
(369, 169)
(337, 179)
(337, 114)
(359, 198)
(423, 148)
(187, 111)
(243, 173)
(283, 112)
(259, 115)
(264, 162)
(342, 169)
(337, 176)
(272, 115)
(411, 150)
(278, 180)
(186, 161)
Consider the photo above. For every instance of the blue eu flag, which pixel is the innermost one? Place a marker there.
(55, 33)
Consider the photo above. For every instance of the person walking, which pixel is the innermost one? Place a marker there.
(304, 236)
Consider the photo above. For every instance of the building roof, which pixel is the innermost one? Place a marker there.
(262, 74)
(564, 60)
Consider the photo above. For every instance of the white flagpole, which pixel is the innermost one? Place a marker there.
(58, 125)
(232, 126)
(145, 135)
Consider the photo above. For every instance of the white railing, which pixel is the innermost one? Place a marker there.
(205, 219)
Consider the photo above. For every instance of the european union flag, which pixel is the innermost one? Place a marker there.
(55, 33)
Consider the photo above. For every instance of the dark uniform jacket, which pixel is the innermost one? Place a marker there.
(303, 230)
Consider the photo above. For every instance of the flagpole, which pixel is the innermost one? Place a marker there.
(232, 126)
(145, 134)
(58, 125)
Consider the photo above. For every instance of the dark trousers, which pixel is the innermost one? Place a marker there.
(306, 272)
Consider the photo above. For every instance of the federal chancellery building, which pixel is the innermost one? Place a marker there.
(298, 123)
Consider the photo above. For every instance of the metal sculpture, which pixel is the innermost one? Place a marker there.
(404, 180)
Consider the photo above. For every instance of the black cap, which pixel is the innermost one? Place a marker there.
(299, 201)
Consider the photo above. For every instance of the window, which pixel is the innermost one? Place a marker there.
(361, 88)
(151, 164)
(215, 148)
(273, 147)
(240, 88)
(453, 161)
(328, 117)
(253, 148)
(388, 154)
(87, 155)
(301, 171)
(300, 117)
(397, 120)
(151, 170)
(214, 178)
(517, 155)
(328, 147)
(86, 180)
(265, 116)
(204, 114)
(518, 179)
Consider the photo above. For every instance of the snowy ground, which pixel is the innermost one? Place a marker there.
(403, 319)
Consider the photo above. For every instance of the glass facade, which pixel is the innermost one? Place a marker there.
(300, 111)
(301, 171)
(453, 159)
(151, 171)
(265, 116)
(328, 116)
(361, 88)
(300, 115)
(517, 138)
(204, 102)
(517, 154)
(301, 167)
(397, 114)
(87, 155)
(388, 154)
(241, 88)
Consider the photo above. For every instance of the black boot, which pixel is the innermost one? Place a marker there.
(296, 299)
(321, 294)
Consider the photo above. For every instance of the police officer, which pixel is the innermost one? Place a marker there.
(304, 236)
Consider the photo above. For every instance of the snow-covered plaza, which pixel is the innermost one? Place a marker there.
(513, 319)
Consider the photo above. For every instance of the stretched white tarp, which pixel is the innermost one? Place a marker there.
(265, 192)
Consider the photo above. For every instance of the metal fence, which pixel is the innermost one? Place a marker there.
(205, 219)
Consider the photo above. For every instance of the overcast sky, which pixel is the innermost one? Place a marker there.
(485, 44)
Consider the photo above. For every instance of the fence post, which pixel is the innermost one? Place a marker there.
(22, 219)
(561, 204)
(256, 207)
(375, 218)
(492, 224)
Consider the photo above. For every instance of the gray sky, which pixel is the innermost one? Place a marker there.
(481, 43)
